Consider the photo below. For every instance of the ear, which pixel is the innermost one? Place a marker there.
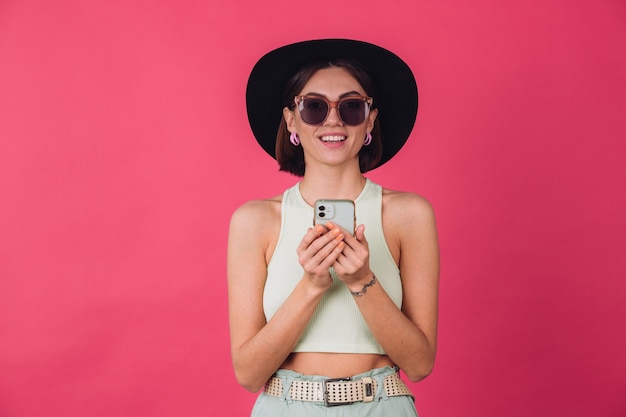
(371, 118)
(290, 119)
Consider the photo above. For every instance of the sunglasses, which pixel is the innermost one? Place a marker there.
(352, 110)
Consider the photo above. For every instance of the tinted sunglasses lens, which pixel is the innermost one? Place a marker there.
(352, 111)
(313, 111)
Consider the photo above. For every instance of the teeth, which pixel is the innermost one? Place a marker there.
(333, 138)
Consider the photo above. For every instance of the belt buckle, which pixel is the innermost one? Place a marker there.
(325, 389)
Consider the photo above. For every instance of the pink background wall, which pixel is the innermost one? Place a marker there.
(124, 148)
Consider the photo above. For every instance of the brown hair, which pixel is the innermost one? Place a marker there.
(291, 158)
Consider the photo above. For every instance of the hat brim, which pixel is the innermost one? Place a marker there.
(396, 99)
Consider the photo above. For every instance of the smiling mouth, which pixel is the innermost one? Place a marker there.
(333, 138)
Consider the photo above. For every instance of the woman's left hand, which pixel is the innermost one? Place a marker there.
(353, 264)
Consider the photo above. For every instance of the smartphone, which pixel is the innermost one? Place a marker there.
(340, 212)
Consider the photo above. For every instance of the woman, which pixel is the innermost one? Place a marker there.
(313, 304)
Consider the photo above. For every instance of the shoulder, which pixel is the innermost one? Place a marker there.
(254, 228)
(408, 218)
(409, 223)
(407, 206)
(257, 212)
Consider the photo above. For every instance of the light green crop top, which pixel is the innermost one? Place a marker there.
(337, 325)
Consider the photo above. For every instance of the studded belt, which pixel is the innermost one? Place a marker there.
(338, 391)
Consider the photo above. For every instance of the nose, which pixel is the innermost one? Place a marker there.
(333, 118)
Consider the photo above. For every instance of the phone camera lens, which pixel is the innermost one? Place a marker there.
(322, 208)
(322, 214)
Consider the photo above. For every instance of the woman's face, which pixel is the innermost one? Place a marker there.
(332, 142)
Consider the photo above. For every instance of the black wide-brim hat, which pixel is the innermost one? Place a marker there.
(396, 98)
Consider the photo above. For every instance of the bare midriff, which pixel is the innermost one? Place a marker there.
(334, 365)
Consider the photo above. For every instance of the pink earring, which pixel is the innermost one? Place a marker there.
(368, 139)
(294, 139)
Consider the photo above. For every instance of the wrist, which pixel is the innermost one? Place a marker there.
(363, 289)
(316, 287)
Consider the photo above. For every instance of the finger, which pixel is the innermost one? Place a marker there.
(317, 249)
(345, 264)
(326, 255)
(310, 236)
(360, 233)
(357, 242)
(326, 244)
(332, 226)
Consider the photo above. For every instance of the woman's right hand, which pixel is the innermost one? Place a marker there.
(317, 252)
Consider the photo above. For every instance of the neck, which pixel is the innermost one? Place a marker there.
(331, 183)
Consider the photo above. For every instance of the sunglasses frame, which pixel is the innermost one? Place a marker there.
(333, 105)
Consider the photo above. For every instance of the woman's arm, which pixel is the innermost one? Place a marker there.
(408, 336)
(258, 348)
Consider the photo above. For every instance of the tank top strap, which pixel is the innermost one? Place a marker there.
(369, 204)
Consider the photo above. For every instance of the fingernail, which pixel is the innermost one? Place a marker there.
(339, 237)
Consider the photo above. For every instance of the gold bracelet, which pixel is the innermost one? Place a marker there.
(369, 284)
